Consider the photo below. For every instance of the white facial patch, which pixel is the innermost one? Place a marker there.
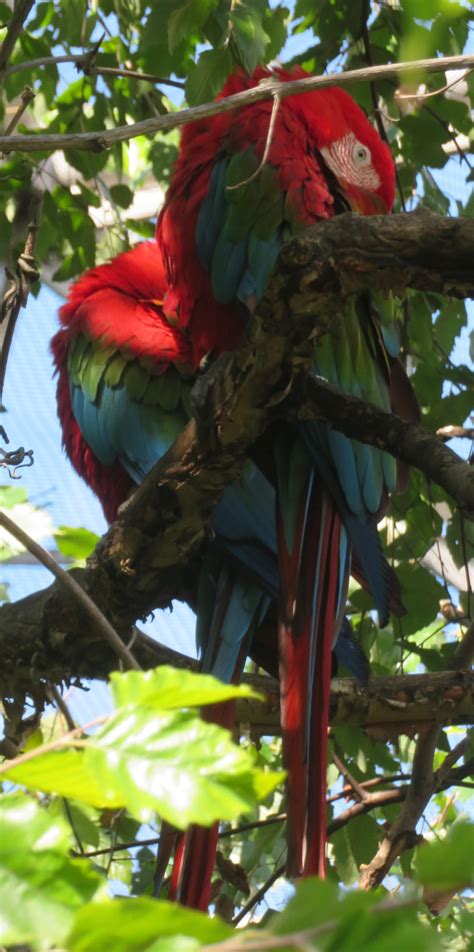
(351, 161)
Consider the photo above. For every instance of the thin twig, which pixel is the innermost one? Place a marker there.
(72, 824)
(62, 706)
(358, 789)
(16, 294)
(464, 653)
(451, 135)
(402, 835)
(100, 622)
(80, 62)
(452, 758)
(135, 74)
(346, 791)
(268, 144)
(451, 431)
(258, 896)
(19, 15)
(118, 847)
(26, 97)
(244, 827)
(420, 97)
(373, 92)
(65, 740)
(104, 138)
(381, 798)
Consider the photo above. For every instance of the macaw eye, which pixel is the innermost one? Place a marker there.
(361, 155)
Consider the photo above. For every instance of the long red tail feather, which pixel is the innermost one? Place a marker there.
(314, 586)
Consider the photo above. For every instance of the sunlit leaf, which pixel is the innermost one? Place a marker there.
(41, 887)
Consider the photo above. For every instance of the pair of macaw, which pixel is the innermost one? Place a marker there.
(135, 333)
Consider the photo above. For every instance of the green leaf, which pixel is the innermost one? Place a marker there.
(188, 18)
(275, 24)
(12, 495)
(248, 35)
(149, 757)
(316, 901)
(345, 863)
(421, 594)
(423, 139)
(41, 887)
(206, 79)
(122, 195)
(349, 921)
(168, 689)
(70, 267)
(75, 543)
(448, 863)
(139, 926)
(66, 773)
(146, 229)
(187, 770)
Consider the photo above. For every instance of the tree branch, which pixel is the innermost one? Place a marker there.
(408, 442)
(386, 706)
(98, 620)
(149, 555)
(19, 15)
(19, 286)
(396, 795)
(104, 138)
(424, 783)
(402, 835)
(26, 96)
(83, 61)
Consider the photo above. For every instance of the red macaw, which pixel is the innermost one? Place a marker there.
(124, 379)
(225, 218)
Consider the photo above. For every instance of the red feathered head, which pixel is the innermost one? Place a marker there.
(343, 136)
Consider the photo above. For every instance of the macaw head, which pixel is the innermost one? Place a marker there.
(349, 146)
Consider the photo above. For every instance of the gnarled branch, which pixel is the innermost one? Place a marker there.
(149, 554)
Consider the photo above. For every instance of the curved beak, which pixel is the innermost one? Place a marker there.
(362, 201)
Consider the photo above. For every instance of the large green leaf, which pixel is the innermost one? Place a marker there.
(187, 770)
(150, 756)
(188, 17)
(208, 76)
(143, 925)
(448, 863)
(75, 543)
(322, 917)
(167, 689)
(248, 34)
(41, 887)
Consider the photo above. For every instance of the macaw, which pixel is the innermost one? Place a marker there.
(124, 379)
(237, 193)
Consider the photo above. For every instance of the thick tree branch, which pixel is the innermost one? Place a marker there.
(406, 441)
(352, 253)
(387, 706)
(149, 554)
(104, 138)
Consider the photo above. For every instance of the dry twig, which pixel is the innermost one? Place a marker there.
(104, 138)
(99, 620)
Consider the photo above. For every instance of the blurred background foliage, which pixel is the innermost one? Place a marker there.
(97, 204)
